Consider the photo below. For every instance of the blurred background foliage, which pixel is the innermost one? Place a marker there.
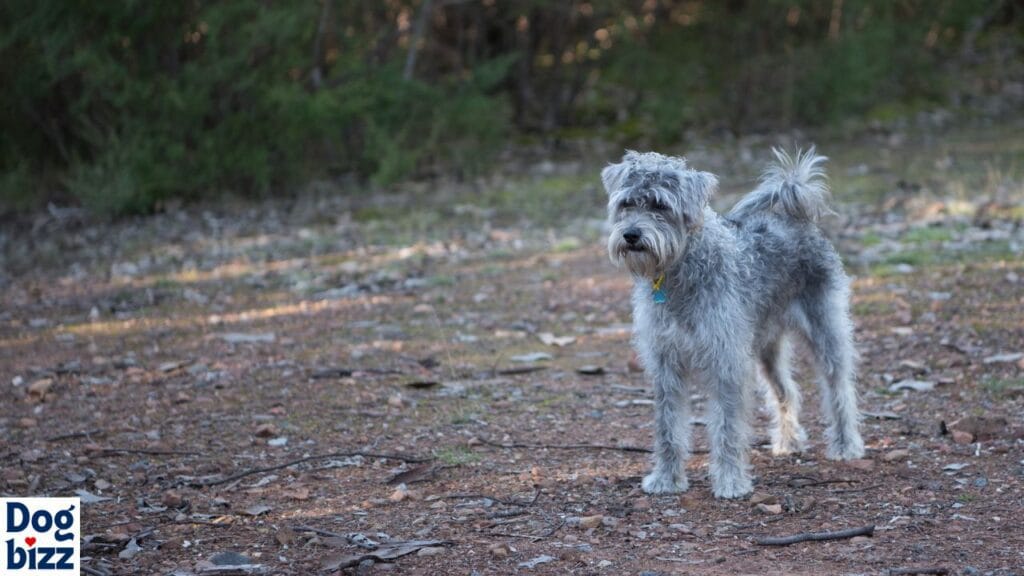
(125, 106)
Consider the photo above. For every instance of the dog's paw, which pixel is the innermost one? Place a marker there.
(794, 442)
(852, 449)
(661, 483)
(732, 487)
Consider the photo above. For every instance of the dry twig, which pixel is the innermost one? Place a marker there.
(815, 536)
(937, 570)
(252, 471)
(566, 446)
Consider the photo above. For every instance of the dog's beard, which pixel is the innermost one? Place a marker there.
(656, 250)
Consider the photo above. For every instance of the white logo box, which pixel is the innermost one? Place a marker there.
(40, 536)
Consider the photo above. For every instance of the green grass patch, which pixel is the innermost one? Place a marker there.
(928, 235)
(1003, 385)
(456, 455)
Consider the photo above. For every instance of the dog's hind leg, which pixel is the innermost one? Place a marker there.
(825, 320)
(788, 436)
(671, 425)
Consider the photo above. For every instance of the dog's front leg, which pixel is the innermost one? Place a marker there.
(671, 428)
(729, 429)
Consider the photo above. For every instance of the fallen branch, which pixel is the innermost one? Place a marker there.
(353, 538)
(815, 536)
(252, 471)
(852, 490)
(515, 445)
(70, 435)
(107, 451)
(495, 498)
(806, 481)
(937, 570)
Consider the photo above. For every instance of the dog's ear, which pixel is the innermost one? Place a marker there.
(697, 188)
(613, 175)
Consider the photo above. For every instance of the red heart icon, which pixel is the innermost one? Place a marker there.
(31, 541)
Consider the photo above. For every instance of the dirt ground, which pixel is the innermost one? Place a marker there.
(454, 370)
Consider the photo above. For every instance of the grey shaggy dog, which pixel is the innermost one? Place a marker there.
(716, 300)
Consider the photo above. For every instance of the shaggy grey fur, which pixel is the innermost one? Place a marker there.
(736, 290)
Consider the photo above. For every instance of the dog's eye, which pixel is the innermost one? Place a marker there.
(658, 205)
(627, 203)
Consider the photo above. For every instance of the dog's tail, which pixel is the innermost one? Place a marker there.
(793, 186)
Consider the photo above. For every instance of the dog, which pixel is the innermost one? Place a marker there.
(718, 300)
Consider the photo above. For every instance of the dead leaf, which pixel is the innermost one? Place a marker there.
(917, 385)
(896, 455)
(419, 473)
(552, 340)
(387, 552)
(257, 510)
(531, 357)
(90, 498)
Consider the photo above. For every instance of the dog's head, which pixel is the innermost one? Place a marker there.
(655, 203)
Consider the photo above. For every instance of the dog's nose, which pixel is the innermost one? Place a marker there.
(632, 235)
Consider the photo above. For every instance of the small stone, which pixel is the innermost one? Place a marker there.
(27, 423)
(172, 499)
(265, 431)
(604, 563)
(865, 464)
(769, 508)
(980, 482)
(400, 494)
(762, 498)
(40, 388)
(641, 504)
(396, 401)
(102, 484)
(859, 539)
(896, 455)
(430, 551)
(230, 559)
(961, 437)
(588, 522)
(499, 550)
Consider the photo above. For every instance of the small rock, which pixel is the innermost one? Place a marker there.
(604, 563)
(277, 442)
(257, 510)
(499, 550)
(859, 539)
(38, 389)
(762, 498)
(396, 401)
(400, 494)
(961, 437)
(534, 562)
(588, 522)
(172, 499)
(102, 484)
(769, 508)
(980, 482)
(896, 455)
(590, 370)
(634, 364)
(229, 559)
(265, 431)
(430, 551)
(27, 423)
(865, 464)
